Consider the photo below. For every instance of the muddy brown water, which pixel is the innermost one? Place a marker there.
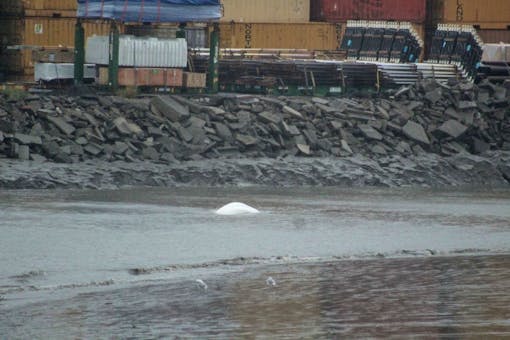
(347, 263)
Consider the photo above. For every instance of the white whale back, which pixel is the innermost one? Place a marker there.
(236, 208)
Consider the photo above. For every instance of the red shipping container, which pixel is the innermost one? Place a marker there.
(385, 10)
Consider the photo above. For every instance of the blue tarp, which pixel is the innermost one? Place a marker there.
(150, 10)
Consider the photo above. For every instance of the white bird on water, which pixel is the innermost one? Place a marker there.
(270, 281)
(236, 208)
(201, 284)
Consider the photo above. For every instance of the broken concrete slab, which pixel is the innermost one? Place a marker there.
(292, 112)
(127, 128)
(23, 153)
(311, 136)
(450, 128)
(150, 153)
(81, 140)
(378, 149)
(345, 146)
(37, 158)
(62, 125)
(465, 105)
(434, 96)
(318, 100)
(120, 148)
(304, 149)
(290, 130)
(404, 148)
(369, 132)
(416, 132)
(27, 139)
(246, 140)
(155, 131)
(223, 131)
(480, 146)
(93, 149)
(336, 124)
(184, 134)
(269, 117)
(170, 108)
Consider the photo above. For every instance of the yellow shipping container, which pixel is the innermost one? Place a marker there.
(310, 36)
(51, 4)
(266, 11)
(495, 36)
(39, 7)
(493, 14)
(30, 33)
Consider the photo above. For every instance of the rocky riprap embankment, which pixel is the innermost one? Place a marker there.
(429, 134)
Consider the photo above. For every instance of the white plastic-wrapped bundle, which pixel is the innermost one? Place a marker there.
(139, 51)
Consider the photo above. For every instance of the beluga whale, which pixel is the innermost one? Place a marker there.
(236, 208)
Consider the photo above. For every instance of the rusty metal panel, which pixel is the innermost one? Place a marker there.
(387, 10)
(484, 13)
(266, 11)
(495, 36)
(310, 36)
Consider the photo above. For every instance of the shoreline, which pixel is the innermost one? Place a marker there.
(426, 170)
(426, 135)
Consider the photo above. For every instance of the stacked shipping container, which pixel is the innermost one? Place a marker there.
(490, 17)
(26, 25)
(376, 10)
(485, 14)
(285, 24)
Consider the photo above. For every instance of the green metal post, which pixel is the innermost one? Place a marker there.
(113, 62)
(181, 33)
(79, 52)
(214, 55)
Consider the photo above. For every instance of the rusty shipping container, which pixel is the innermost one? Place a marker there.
(387, 10)
(487, 14)
(495, 36)
(266, 11)
(309, 36)
(33, 33)
(39, 7)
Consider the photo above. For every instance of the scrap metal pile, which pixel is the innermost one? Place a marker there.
(274, 72)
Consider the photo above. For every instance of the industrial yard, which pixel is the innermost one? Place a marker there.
(328, 79)
(429, 134)
(230, 169)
